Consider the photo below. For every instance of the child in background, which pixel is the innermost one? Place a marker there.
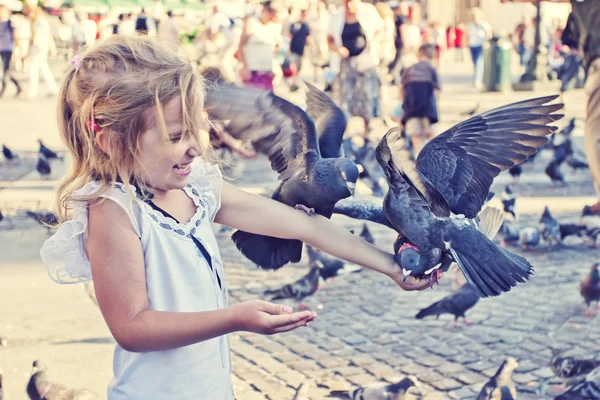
(419, 92)
(135, 213)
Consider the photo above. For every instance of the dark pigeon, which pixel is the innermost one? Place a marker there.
(330, 267)
(568, 129)
(453, 174)
(571, 368)
(366, 157)
(366, 234)
(550, 228)
(510, 231)
(40, 387)
(471, 111)
(49, 154)
(590, 288)
(588, 389)
(516, 172)
(554, 173)
(509, 201)
(8, 154)
(365, 209)
(571, 230)
(405, 389)
(493, 389)
(43, 167)
(457, 304)
(47, 219)
(575, 163)
(590, 221)
(299, 290)
(289, 137)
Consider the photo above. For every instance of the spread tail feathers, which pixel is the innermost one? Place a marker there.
(434, 309)
(267, 252)
(489, 268)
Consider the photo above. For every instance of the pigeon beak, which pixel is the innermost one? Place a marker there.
(406, 273)
(351, 186)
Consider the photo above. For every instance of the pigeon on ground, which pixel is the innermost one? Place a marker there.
(49, 154)
(471, 111)
(576, 163)
(43, 166)
(550, 228)
(330, 267)
(299, 290)
(9, 155)
(590, 221)
(570, 368)
(509, 201)
(516, 172)
(406, 389)
(41, 388)
(529, 237)
(296, 145)
(366, 234)
(457, 304)
(510, 231)
(493, 389)
(453, 174)
(554, 173)
(590, 289)
(1, 216)
(568, 129)
(588, 389)
(571, 230)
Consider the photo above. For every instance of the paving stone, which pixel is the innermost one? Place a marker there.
(287, 357)
(348, 371)
(470, 377)
(304, 365)
(380, 370)
(414, 369)
(292, 378)
(332, 362)
(544, 373)
(524, 378)
(362, 380)
(446, 384)
(362, 360)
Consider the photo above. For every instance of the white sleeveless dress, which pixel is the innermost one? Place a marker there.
(178, 279)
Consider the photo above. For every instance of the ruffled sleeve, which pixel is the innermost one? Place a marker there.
(63, 254)
(207, 179)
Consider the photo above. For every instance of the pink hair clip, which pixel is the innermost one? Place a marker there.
(76, 61)
(93, 126)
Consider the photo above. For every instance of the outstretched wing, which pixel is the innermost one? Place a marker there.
(329, 119)
(276, 127)
(463, 161)
(363, 209)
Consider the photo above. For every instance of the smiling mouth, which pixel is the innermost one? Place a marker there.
(183, 168)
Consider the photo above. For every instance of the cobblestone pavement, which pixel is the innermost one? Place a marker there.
(366, 332)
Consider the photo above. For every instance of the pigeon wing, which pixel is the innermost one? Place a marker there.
(329, 119)
(463, 161)
(276, 127)
(363, 209)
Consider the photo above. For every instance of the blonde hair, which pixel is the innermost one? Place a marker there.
(116, 85)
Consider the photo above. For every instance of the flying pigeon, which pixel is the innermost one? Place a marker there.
(453, 175)
(550, 229)
(405, 389)
(501, 384)
(296, 145)
(8, 154)
(302, 288)
(457, 304)
(587, 389)
(590, 221)
(590, 288)
(570, 368)
(509, 201)
(43, 167)
(49, 154)
(40, 387)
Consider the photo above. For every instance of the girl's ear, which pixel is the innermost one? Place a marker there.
(102, 140)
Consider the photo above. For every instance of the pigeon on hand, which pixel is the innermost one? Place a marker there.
(457, 304)
(406, 389)
(43, 166)
(9, 155)
(590, 221)
(471, 111)
(366, 234)
(299, 290)
(296, 145)
(453, 174)
(570, 368)
(509, 201)
(550, 229)
(49, 154)
(590, 289)
(501, 385)
(588, 389)
(40, 387)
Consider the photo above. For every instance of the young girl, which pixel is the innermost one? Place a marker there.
(136, 213)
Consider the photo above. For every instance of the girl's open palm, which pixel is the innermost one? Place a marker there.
(266, 318)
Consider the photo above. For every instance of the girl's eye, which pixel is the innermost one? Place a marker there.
(175, 139)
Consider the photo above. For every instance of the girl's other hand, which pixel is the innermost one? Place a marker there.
(266, 318)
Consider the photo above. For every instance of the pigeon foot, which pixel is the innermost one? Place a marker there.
(309, 211)
(434, 277)
(589, 313)
(467, 322)
(457, 325)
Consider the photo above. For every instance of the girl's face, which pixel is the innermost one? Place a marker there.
(165, 163)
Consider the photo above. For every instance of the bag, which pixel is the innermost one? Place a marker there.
(288, 68)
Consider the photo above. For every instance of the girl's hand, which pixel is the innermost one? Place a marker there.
(411, 283)
(343, 52)
(268, 318)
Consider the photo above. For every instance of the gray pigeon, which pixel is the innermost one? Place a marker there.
(529, 237)
(509, 231)
(550, 229)
(290, 138)
(49, 154)
(299, 290)
(330, 267)
(570, 368)
(366, 234)
(590, 288)
(365, 209)
(501, 386)
(588, 389)
(43, 166)
(8, 154)
(590, 221)
(406, 389)
(457, 304)
(431, 202)
(40, 387)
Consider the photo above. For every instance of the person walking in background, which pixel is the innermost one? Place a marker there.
(478, 32)
(167, 30)
(459, 42)
(386, 46)
(299, 36)
(22, 26)
(259, 43)
(437, 37)
(412, 37)
(145, 25)
(7, 45)
(400, 18)
(419, 93)
(126, 25)
(319, 24)
(42, 45)
(352, 38)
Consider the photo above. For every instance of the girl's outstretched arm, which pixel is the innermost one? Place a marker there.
(261, 215)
